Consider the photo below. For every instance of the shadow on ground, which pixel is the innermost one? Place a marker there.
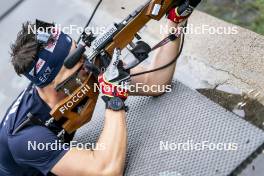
(247, 108)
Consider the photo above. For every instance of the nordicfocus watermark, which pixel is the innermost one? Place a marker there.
(58, 145)
(200, 29)
(71, 29)
(197, 146)
(156, 88)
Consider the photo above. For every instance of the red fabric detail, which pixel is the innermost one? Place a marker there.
(110, 89)
(174, 17)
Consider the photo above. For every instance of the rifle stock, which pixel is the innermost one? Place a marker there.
(127, 34)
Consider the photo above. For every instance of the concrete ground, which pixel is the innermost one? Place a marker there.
(235, 62)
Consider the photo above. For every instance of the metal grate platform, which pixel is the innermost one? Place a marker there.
(178, 117)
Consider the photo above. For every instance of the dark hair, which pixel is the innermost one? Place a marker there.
(24, 49)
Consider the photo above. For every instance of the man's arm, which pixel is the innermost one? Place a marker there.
(164, 55)
(109, 161)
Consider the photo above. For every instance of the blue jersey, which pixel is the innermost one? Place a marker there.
(19, 153)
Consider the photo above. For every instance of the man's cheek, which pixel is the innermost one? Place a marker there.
(61, 95)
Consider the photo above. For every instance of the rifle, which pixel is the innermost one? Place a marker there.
(77, 108)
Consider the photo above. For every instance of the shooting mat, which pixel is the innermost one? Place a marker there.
(178, 117)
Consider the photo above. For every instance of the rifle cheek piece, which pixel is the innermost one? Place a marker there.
(77, 108)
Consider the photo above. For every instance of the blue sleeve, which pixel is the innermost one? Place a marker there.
(36, 147)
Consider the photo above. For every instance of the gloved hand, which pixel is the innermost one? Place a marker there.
(183, 11)
(114, 81)
(111, 89)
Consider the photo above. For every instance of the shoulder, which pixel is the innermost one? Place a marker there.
(37, 147)
(32, 142)
(29, 136)
(18, 109)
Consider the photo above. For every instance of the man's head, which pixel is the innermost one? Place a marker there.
(42, 64)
